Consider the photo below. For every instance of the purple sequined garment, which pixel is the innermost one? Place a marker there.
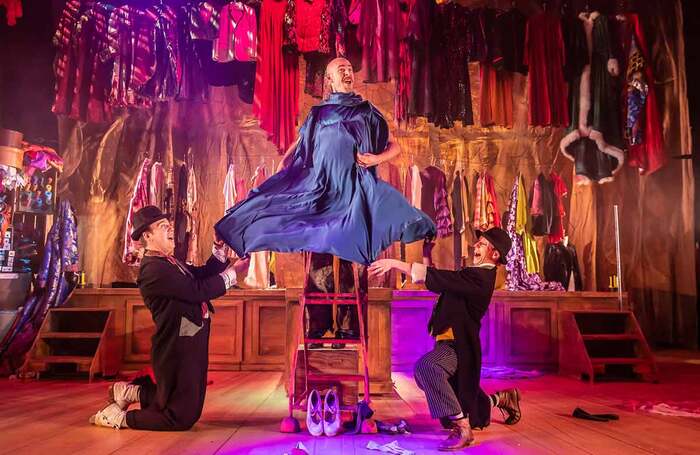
(518, 278)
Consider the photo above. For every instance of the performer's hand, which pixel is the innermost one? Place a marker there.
(380, 267)
(217, 240)
(240, 265)
(368, 159)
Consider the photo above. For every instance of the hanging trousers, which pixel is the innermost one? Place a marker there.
(432, 373)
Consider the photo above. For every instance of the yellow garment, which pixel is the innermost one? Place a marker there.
(446, 335)
(522, 220)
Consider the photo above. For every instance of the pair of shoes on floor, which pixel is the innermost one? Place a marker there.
(323, 417)
(581, 414)
(124, 394)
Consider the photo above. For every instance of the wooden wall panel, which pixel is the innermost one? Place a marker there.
(226, 337)
(138, 331)
(266, 325)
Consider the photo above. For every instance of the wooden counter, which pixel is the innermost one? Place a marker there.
(521, 329)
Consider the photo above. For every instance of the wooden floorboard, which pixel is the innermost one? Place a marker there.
(243, 410)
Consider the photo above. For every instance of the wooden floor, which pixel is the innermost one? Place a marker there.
(243, 411)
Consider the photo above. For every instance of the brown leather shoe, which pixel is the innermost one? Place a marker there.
(509, 405)
(460, 436)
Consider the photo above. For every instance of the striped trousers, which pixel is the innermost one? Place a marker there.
(432, 372)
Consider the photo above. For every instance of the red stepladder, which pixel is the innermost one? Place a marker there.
(290, 424)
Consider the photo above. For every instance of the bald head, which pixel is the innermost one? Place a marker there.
(340, 76)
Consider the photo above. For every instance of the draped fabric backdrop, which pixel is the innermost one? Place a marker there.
(656, 212)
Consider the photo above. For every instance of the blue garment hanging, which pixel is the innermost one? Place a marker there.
(323, 201)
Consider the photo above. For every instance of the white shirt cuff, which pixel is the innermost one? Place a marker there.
(418, 272)
(219, 252)
(229, 276)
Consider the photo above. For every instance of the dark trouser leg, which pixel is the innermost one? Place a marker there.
(319, 318)
(432, 373)
(179, 408)
(346, 316)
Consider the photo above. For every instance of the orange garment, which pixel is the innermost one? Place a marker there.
(486, 214)
(496, 96)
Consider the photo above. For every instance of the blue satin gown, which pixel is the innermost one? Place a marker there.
(324, 202)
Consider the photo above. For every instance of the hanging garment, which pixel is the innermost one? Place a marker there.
(510, 27)
(518, 279)
(434, 199)
(65, 40)
(557, 232)
(238, 34)
(13, 10)
(180, 220)
(594, 139)
(461, 216)
(92, 74)
(496, 97)
(561, 265)
(543, 207)
(486, 213)
(378, 34)
(259, 268)
(241, 190)
(197, 28)
(131, 43)
(522, 228)
(418, 38)
(52, 289)
(192, 213)
(390, 173)
(643, 124)
(544, 57)
(164, 83)
(412, 186)
(230, 195)
(156, 186)
(133, 252)
(323, 201)
(276, 100)
(450, 66)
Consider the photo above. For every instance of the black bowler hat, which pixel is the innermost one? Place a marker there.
(144, 217)
(499, 239)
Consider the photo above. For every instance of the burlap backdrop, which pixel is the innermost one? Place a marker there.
(657, 221)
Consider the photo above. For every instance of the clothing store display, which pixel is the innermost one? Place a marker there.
(434, 199)
(643, 123)
(518, 278)
(276, 99)
(594, 138)
(544, 57)
(323, 201)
